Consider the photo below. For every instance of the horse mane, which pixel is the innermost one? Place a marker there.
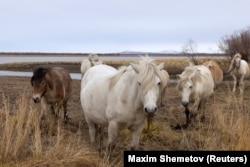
(114, 79)
(190, 73)
(148, 70)
(38, 73)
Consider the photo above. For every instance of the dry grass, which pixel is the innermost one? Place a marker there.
(22, 143)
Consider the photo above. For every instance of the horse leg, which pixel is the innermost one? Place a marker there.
(201, 107)
(92, 131)
(44, 107)
(187, 115)
(234, 83)
(195, 108)
(100, 140)
(65, 114)
(135, 136)
(112, 134)
(241, 84)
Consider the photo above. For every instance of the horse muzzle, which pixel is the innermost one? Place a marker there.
(36, 99)
(185, 103)
(150, 112)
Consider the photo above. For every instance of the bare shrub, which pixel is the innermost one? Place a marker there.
(238, 42)
(190, 50)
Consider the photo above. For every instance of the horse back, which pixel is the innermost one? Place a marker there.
(59, 83)
(215, 70)
(245, 68)
(205, 86)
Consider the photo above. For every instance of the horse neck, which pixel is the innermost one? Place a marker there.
(130, 90)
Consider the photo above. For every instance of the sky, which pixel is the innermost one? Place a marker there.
(106, 26)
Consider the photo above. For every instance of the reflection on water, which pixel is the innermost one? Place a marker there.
(19, 59)
(59, 59)
(29, 74)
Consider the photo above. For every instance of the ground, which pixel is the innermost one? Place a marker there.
(162, 136)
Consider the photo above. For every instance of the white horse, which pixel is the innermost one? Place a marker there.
(123, 98)
(195, 85)
(238, 69)
(87, 63)
(165, 82)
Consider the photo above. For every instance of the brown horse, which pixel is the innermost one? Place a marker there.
(53, 87)
(215, 70)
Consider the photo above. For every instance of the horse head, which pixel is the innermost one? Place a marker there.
(149, 83)
(237, 59)
(185, 85)
(39, 83)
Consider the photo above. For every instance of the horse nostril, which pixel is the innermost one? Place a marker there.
(36, 100)
(156, 109)
(185, 103)
(146, 110)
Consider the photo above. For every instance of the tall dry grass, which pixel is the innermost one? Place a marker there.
(22, 143)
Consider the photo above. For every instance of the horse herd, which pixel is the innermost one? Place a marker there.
(127, 96)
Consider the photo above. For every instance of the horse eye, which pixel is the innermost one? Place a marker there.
(190, 87)
(43, 83)
(159, 83)
(139, 83)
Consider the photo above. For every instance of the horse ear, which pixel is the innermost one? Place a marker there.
(136, 67)
(161, 66)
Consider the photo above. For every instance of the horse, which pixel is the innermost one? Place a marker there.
(87, 63)
(215, 70)
(165, 80)
(53, 88)
(120, 98)
(195, 84)
(238, 69)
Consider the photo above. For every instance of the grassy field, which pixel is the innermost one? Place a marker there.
(23, 144)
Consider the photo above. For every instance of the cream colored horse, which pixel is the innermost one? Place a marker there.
(87, 63)
(165, 82)
(123, 98)
(195, 85)
(238, 69)
(215, 70)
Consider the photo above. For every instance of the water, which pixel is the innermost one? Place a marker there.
(20, 59)
(76, 76)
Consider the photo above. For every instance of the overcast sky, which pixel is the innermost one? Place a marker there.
(102, 26)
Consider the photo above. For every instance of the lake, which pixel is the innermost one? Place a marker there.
(19, 59)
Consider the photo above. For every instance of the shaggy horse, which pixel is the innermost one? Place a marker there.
(87, 63)
(195, 85)
(53, 87)
(238, 70)
(164, 83)
(215, 70)
(123, 98)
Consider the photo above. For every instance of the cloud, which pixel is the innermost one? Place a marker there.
(66, 25)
